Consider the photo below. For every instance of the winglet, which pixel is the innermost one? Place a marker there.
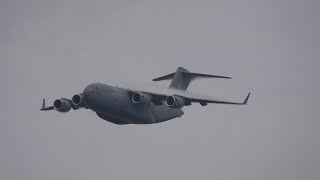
(44, 108)
(43, 104)
(246, 100)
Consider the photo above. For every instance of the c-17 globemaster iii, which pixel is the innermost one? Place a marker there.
(128, 106)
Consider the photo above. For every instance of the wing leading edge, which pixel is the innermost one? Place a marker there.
(188, 99)
(204, 102)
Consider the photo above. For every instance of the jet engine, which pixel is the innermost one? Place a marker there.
(140, 98)
(175, 102)
(62, 105)
(78, 101)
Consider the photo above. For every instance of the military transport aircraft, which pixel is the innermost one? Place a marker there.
(128, 106)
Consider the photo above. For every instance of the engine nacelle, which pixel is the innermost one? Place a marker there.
(175, 102)
(62, 105)
(78, 100)
(140, 98)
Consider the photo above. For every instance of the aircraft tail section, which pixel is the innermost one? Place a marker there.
(182, 78)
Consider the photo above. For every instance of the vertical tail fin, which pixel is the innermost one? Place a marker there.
(180, 81)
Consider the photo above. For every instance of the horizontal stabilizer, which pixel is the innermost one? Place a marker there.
(191, 75)
(198, 75)
(166, 77)
(182, 78)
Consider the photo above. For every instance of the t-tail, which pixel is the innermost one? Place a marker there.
(182, 78)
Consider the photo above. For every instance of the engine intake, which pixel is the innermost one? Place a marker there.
(62, 105)
(140, 98)
(78, 100)
(175, 102)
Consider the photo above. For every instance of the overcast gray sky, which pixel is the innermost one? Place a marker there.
(53, 49)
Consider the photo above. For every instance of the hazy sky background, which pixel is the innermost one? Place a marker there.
(54, 49)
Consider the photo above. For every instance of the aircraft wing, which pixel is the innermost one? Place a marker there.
(188, 98)
(44, 108)
(204, 102)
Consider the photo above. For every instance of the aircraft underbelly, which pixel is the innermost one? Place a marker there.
(115, 105)
(164, 113)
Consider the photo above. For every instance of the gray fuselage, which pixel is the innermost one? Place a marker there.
(115, 105)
